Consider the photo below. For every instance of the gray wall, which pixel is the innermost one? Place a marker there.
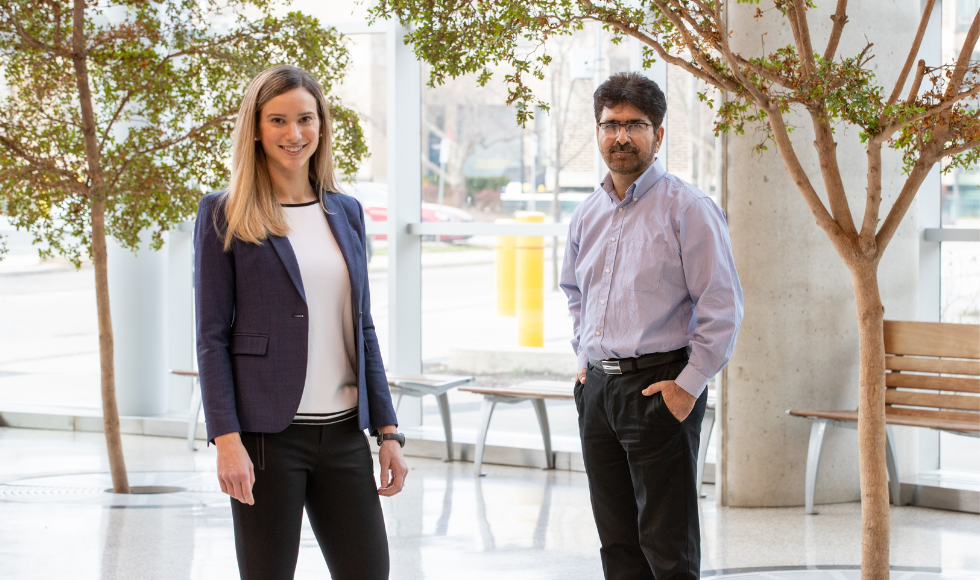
(798, 342)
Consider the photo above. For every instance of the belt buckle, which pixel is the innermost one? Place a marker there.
(611, 367)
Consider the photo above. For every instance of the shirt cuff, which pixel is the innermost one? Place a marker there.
(583, 361)
(691, 381)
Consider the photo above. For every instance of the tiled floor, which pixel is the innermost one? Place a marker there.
(515, 523)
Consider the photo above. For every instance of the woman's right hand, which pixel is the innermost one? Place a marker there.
(235, 472)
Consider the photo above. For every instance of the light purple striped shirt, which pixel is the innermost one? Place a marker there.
(653, 273)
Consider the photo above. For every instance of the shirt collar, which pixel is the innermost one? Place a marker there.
(643, 183)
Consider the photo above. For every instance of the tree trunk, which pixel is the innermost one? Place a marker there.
(871, 423)
(110, 411)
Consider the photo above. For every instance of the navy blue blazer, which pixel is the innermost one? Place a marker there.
(253, 324)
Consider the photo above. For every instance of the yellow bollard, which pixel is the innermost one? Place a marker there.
(506, 268)
(530, 284)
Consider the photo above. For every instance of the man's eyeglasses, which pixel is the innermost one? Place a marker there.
(610, 130)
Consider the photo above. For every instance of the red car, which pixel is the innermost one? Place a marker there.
(374, 197)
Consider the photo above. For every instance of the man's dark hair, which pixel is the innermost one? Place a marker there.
(634, 89)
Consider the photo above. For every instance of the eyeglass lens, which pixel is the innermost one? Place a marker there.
(612, 129)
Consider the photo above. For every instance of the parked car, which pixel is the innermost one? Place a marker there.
(374, 197)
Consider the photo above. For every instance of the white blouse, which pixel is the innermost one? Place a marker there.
(330, 392)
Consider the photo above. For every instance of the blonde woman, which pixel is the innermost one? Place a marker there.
(290, 369)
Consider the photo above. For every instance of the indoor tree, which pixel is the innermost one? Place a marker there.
(928, 115)
(116, 117)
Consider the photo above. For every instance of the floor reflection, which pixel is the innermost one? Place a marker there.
(516, 523)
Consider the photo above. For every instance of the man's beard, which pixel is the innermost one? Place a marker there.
(629, 164)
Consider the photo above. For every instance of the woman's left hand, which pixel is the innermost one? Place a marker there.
(393, 468)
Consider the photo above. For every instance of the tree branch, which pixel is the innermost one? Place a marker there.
(872, 204)
(669, 58)
(692, 47)
(920, 72)
(889, 129)
(840, 19)
(950, 151)
(913, 52)
(904, 200)
(801, 32)
(34, 42)
(827, 154)
(758, 96)
(38, 163)
(171, 142)
(963, 60)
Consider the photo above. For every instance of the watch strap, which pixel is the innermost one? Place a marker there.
(399, 437)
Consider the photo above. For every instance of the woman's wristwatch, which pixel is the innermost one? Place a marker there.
(399, 437)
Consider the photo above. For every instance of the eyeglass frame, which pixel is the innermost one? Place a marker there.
(619, 128)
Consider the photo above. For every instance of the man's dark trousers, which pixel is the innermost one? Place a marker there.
(641, 463)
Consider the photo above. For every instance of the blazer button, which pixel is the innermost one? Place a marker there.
(297, 316)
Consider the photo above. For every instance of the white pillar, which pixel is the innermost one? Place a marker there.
(798, 344)
(137, 298)
(404, 122)
(180, 313)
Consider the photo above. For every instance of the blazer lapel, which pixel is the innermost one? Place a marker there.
(288, 257)
(346, 240)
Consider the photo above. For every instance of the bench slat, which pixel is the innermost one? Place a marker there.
(429, 380)
(529, 390)
(932, 383)
(958, 416)
(972, 426)
(932, 339)
(932, 365)
(938, 401)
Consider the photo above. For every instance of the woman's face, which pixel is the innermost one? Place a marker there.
(289, 130)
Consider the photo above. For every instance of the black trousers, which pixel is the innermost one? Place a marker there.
(329, 470)
(641, 463)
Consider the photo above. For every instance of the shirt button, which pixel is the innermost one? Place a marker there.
(620, 209)
(597, 333)
(634, 199)
(602, 302)
(607, 270)
(614, 239)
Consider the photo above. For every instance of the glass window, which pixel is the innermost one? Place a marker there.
(960, 267)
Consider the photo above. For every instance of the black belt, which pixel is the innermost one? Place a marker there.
(618, 366)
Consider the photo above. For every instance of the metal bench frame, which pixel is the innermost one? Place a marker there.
(490, 402)
(418, 388)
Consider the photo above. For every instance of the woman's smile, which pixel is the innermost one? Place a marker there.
(294, 149)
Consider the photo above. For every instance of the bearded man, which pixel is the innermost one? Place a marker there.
(656, 306)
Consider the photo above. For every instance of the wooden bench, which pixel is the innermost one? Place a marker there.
(400, 385)
(538, 392)
(932, 380)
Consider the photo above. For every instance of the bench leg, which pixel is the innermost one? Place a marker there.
(707, 424)
(891, 460)
(192, 414)
(486, 411)
(542, 413)
(398, 401)
(817, 431)
(447, 424)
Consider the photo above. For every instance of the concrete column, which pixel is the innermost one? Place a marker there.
(137, 296)
(180, 314)
(798, 345)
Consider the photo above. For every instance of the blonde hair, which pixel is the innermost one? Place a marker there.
(251, 210)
